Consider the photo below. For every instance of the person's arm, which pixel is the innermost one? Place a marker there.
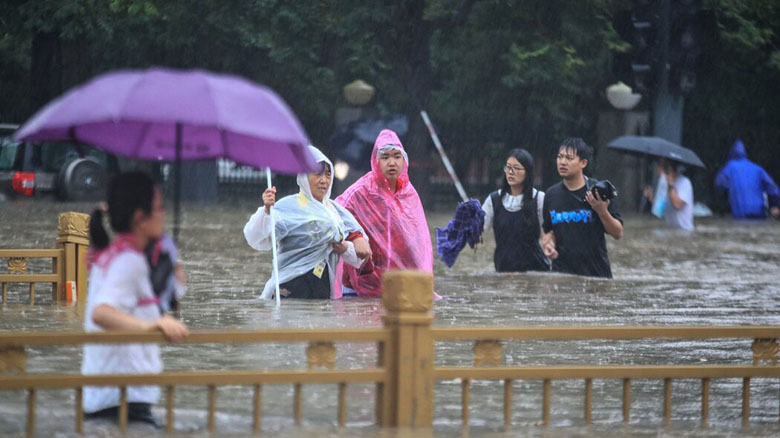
(548, 245)
(548, 237)
(647, 192)
(362, 248)
(674, 197)
(351, 257)
(111, 318)
(126, 281)
(772, 192)
(612, 226)
(257, 230)
(487, 207)
(540, 212)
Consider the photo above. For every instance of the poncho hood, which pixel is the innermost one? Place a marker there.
(737, 151)
(388, 137)
(303, 178)
(394, 221)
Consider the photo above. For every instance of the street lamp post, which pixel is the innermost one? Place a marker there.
(625, 171)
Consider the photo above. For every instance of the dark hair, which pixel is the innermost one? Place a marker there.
(529, 202)
(127, 192)
(578, 145)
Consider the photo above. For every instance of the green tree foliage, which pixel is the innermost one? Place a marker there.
(736, 95)
(493, 74)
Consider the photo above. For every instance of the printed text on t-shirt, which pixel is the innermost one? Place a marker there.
(583, 215)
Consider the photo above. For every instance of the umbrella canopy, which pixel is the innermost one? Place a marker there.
(658, 147)
(163, 114)
(136, 114)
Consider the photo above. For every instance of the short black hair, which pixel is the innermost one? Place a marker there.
(577, 145)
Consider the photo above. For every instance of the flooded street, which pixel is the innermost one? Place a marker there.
(726, 273)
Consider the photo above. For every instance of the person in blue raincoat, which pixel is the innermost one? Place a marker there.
(746, 182)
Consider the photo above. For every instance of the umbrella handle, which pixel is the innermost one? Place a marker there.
(273, 240)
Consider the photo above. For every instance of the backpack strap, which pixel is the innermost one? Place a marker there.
(495, 198)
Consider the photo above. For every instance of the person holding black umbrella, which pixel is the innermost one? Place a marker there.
(575, 219)
(673, 197)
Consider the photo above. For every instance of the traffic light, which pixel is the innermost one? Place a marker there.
(684, 45)
(644, 45)
(639, 27)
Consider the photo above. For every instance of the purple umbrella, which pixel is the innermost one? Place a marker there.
(162, 114)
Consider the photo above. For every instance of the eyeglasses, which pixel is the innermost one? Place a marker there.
(513, 169)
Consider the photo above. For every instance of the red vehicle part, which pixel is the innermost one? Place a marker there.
(23, 183)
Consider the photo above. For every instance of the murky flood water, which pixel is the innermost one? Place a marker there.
(726, 273)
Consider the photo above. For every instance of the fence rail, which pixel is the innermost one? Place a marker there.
(564, 333)
(199, 337)
(17, 267)
(68, 261)
(320, 352)
(406, 372)
(488, 350)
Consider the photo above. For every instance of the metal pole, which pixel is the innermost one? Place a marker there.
(667, 108)
(177, 185)
(443, 156)
(273, 240)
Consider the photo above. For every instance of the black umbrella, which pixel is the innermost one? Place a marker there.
(658, 147)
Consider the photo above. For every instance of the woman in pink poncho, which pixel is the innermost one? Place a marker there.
(386, 204)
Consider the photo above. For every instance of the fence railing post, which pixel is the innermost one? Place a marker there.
(407, 397)
(73, 238)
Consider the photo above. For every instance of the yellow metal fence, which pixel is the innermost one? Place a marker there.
(488, 351)
(68, 261)
(320, 353)
(405, 372)
(17, 271)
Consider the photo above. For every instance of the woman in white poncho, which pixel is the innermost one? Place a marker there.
(312, 232)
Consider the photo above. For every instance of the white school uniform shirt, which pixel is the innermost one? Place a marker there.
(512, 203)
(121, 284)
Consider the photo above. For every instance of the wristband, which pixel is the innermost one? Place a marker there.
(354, 235)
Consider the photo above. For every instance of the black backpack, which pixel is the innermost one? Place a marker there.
(160, 271)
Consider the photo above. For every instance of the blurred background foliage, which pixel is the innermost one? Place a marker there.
(492, 74)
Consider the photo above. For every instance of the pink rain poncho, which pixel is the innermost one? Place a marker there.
(395, 223)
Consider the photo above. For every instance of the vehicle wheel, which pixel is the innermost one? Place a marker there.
(82, 179)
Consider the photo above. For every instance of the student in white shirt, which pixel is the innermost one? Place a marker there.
(515, 214)
(121, 296)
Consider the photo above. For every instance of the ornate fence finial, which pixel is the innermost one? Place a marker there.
(73, 227)
(407, 291)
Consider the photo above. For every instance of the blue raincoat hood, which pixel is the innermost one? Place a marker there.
(737, 151)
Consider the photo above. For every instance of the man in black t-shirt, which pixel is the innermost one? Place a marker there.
(575, 220)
